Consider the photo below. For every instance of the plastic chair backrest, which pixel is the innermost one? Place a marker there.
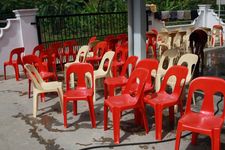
(92, 39)
(69, 46)
(108, 56)
(155, 31)
(109, 37)
(100, 49)
(17, 52)
(217, 29)
(209, 86)
(121, 53)
(82, 54)
(81, 70)
(132, 60)
(171, 55)
(150, 65)
(190, 61)
(34, 60)
(34, 76)
(139, 77)
(38, 50)
(180, 73)
(56, 48)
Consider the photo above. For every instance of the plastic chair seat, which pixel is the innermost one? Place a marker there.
(161, 98)
(80, 93)
(122, 102)
(51, 85)
(197, 121)
(116, 81)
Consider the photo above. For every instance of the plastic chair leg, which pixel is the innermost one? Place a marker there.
(5, 72)
(158, 124)
(65, 113)
(116, 126)
(105, 117)
(74, 108)
(215, 140)
(60, 93)
(16, 72)
(92, 112)
(145, 121)
(194, 138)
(171, 116)
(105, 91)
(178, 136)
(29, 88)
(35, 104)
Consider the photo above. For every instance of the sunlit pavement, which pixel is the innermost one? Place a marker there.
(19, 130)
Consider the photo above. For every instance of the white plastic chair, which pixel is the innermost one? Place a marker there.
(40, 86)
(163, 42)
(169, 55)
(101, 72)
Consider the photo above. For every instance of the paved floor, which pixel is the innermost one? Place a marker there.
(19, 130)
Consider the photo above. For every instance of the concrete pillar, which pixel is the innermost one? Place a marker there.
(137, 27)
(28, 31)
(130, 28)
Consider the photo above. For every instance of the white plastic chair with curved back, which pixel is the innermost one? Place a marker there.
(163, 41)
(190, 61)
(101, 72)
(40, 86)
(169, 55)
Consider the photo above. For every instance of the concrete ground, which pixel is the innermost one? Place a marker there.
(19, 130)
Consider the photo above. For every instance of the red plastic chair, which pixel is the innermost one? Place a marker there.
(49, 59)
(163, 99)
(81, 92)
(119, 59)
(128, 100)
(151, 65)
(56, 48)
(99, 51)
(15, 62)
(92, 39)
(42, 69)
(111, 41)
(69, 50)
(111, 83)
(204, 121)
(39, 50)
(151, 42)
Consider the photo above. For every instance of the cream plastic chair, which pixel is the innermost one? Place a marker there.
(190, 61)
(80, 58)
(186, 39)
(169, 55)
(40, 86)
(92, 45)
(101, 72)
(163, 42)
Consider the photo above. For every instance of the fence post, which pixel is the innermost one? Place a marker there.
(28, 30)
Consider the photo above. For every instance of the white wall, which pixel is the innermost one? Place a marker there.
(18, 33)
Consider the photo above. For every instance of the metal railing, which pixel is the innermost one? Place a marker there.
(80, 26)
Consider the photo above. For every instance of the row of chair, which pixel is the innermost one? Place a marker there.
(130, 94)
(165, 39)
